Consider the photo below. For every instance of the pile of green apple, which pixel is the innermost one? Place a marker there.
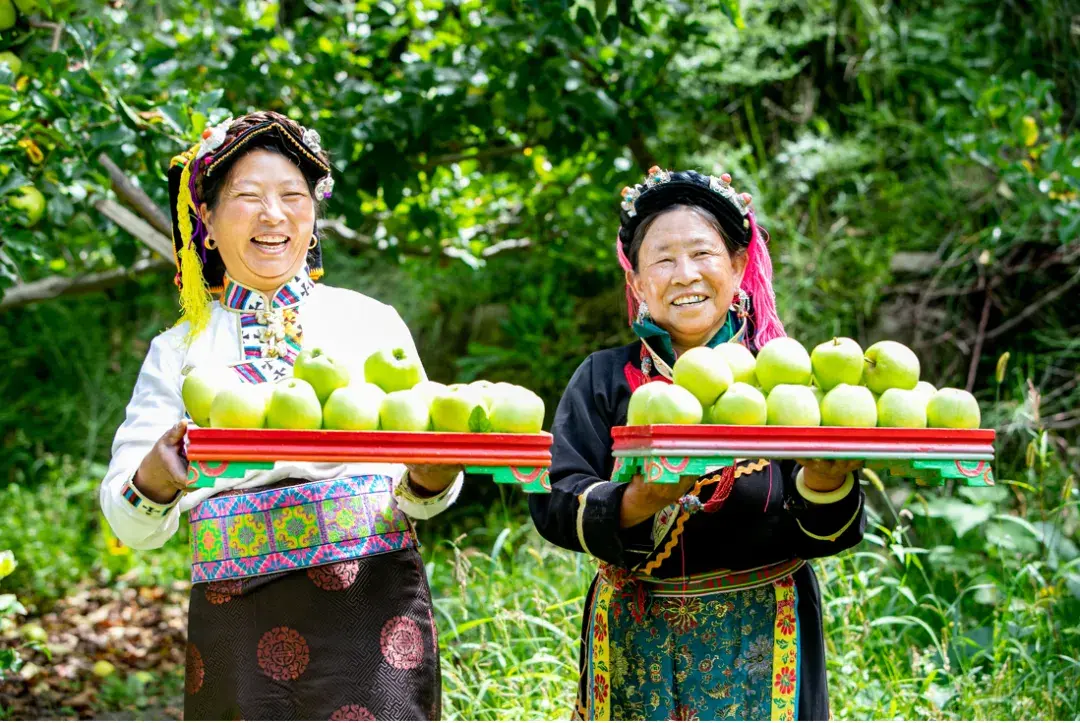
(393, 396)
(837, 385)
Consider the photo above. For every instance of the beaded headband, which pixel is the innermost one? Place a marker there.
(720, 185)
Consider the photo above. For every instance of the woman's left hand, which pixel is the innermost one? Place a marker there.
(429, 480)
(826, 475)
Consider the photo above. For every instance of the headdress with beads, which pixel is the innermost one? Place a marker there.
(663, 189)
(201, 270)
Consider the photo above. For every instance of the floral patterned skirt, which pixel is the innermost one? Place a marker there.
(352, 640)
(695, 649)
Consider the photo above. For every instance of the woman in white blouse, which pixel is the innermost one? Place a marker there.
(309, 597)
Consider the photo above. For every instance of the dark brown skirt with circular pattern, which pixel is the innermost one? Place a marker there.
(352, 640)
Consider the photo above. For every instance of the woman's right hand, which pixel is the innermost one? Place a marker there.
(644, 499)
(164, 470)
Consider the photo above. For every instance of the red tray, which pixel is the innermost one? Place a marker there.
(520, 458)
(663, 452)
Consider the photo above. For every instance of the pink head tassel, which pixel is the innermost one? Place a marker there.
(631, 297)
(757, 282)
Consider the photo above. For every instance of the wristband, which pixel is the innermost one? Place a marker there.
(824, 498)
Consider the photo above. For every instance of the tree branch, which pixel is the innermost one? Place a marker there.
(138, 228)
(1032, 308)
(343, 232)
(980, 336)
(54, 286)
(471, 155)
(135, 197)
(57, 31)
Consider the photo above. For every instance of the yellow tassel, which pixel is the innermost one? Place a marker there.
(194, 296)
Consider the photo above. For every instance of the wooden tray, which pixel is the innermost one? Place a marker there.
(662, 453)
(521, 459)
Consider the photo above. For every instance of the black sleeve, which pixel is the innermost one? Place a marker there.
(823, 530)
(582, 512)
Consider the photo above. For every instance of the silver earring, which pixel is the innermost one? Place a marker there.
(642, 311)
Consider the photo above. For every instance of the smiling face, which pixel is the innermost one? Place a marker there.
(262, 221)
(687, 276)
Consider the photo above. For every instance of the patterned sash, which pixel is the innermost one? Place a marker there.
(262, 531)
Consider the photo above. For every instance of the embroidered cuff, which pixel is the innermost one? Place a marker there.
(424, 508)
(144, 505)
(598, 512)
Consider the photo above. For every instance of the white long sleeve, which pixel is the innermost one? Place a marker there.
(344, 323)
(155, 406)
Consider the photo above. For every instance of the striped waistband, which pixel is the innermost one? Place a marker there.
(705, 583)
(259, 532)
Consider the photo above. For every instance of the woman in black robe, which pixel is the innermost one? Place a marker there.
(704, 606)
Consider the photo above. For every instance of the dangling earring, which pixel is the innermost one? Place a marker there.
(211, 244)
(740, 304)
(642, 312)
(314, 240)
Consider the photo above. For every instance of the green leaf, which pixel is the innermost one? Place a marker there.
(731, 10)
(962, 516)
(9, 605)
(478, 420)
(610, 28)
(585, 21)
(1011, 537)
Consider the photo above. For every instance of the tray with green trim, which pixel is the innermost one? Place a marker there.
(521, 459)
(663, 453)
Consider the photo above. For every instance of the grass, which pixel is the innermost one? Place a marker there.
(955, 611)
(952, 629)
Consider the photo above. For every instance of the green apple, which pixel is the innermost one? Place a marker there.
(673, 405)
(200, 386)
(294, 405)
(30, 201)
(7, 15)
(405, 411)
(926, 389)
(429, 389)
(704, 373)
(848, 405)
(636, 410)
(355, 407)
(495, 391)
(11, 61)
(793, 405)
(454, 410)
(839, 361)
(953, 409)
(519, 412)
(322, 371)
(782, 361)
(740, 404)
(740, 360)
(890, 365)
(902, 408)
(393, 369)
(242, 406)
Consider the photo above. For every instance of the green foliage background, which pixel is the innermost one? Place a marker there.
(917, 165)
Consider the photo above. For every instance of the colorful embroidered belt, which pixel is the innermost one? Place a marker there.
(704, 583)
(286, 528)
